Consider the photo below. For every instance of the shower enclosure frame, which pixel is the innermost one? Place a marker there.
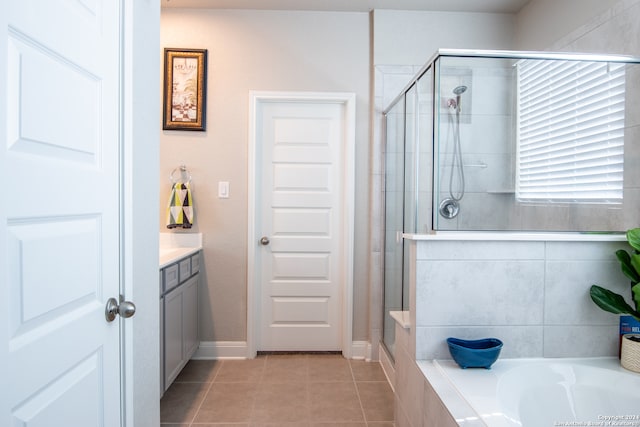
(431, 64)
(493, 54)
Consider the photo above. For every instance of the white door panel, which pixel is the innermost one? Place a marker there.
(62, 219)
(303, 153)
(309, 200)
(307, 265)
(293, 221)
(307, 178)
(300, 310)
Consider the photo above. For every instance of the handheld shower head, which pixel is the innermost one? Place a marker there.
(459, 90)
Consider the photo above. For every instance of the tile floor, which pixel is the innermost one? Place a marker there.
(279, 391)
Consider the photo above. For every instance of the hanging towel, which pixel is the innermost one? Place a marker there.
(180, 209)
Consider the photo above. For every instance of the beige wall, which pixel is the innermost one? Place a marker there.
(259, 50)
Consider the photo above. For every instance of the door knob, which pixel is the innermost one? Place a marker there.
(264, 241)
(125, 309)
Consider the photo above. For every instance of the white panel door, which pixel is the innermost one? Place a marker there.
(302, 192)
(61, 211)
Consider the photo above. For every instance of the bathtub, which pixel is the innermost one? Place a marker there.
(538, 392)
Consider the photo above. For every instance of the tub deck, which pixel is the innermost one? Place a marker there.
(538, 392)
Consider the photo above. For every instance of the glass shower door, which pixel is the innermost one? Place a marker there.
(394, 221)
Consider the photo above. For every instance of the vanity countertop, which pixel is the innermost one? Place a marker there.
(174, 246)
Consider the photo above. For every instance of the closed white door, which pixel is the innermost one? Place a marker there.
(60, 212)
(302, 224)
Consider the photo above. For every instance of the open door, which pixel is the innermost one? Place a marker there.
(59, 219)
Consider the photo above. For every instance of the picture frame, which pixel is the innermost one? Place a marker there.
(185, 89)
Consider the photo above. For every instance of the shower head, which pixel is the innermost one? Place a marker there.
(459, 90)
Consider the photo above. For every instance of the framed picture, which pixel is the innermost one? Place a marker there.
(185, 89)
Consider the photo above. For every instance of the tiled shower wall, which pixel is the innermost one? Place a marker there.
(533, 295)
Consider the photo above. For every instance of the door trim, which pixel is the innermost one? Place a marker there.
(256, 98)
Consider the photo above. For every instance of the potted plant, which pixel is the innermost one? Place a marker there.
(615, 303)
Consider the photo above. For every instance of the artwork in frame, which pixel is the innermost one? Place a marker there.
(185, 89)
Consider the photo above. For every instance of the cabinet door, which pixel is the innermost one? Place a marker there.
(190, 301)
(171, 277)
(161, 346)
(173, 327)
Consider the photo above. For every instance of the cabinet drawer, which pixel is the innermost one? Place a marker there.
(185, 269)
(170, 277)
(195, 263)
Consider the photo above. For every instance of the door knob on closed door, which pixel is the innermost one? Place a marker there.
(264, 241)
(125, 309)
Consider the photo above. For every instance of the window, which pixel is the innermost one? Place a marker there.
(570, 131)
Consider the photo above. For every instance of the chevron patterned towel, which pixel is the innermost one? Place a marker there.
(180, 209)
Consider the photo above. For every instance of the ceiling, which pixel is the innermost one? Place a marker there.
(489, 6)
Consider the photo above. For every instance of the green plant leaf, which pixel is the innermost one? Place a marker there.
(633, 237)
(635, 263)
(623, 256)
(635, 292)
(610, 301)
(626, 266)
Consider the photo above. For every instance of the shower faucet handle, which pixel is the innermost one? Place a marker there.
(449, 208)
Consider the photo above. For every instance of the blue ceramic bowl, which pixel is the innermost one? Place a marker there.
(474, 353)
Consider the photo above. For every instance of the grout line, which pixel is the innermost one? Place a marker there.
(195, 414)
(355, 384)
(258, 387)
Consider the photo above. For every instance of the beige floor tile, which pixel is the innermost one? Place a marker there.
(281, 402)
(241, 370)
(334, 401)
(338, 425)
(227, 403)
(329, 368)
(367, 371)
(377, 400)
(181, 401)
(199, 371)
(219, 425)
(279, 391)
(286, 368)
(284, 424)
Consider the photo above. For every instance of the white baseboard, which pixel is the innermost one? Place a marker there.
(221, 350)
(239, 350)
(361, 350)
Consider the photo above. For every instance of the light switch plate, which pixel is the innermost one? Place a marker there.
(223, 190)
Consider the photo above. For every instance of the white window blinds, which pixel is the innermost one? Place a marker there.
(570, 131)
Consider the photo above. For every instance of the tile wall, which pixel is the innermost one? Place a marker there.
(533, 295)
(417, 403)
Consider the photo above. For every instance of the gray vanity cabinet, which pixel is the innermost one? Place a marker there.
(179, 317)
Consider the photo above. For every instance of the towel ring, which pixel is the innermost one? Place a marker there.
(183, 173)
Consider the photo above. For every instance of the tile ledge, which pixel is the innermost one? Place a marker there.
(517, 236)
(402, 318)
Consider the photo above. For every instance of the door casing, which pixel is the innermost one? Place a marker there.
(256, 99)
